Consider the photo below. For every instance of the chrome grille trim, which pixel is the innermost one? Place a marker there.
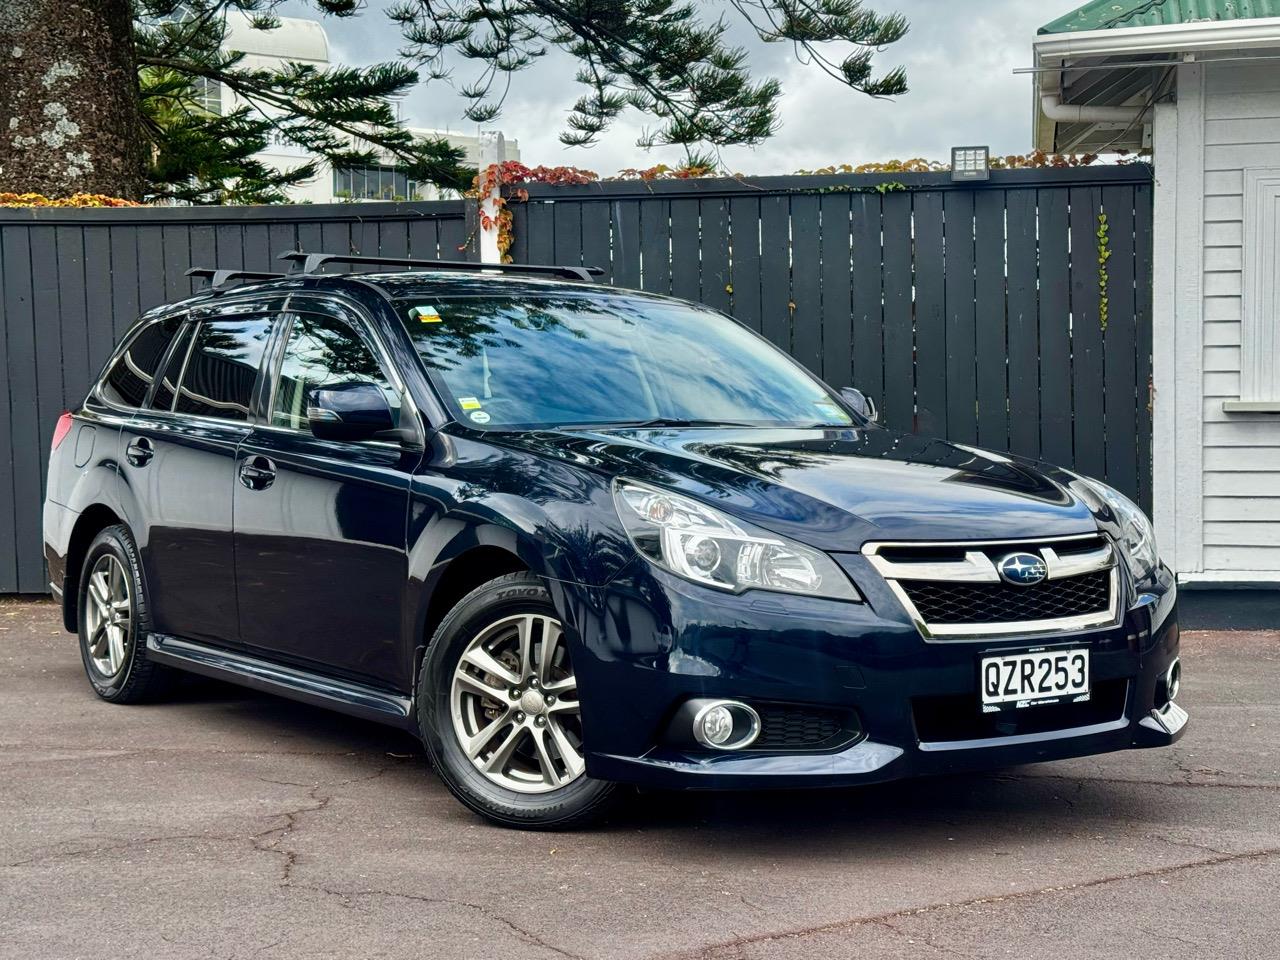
(977, 567)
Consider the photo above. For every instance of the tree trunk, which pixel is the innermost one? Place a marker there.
(69, 113)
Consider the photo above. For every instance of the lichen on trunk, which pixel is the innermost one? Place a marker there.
(69, 113)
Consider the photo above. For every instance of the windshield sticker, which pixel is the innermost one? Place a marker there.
(479, 416)
(425, 314)
(469, 403)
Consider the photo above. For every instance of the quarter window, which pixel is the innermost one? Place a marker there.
(223, 367)
(323, 352)
(129, 378)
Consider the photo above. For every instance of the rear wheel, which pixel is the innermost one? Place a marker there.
(114, 621)
(498, 709)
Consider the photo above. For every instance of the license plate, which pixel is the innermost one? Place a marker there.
(1032, 679)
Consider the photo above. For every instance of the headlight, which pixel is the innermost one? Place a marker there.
(701, 544)
(1137, 539)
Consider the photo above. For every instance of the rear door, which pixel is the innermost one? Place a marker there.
(178, 464)
(320, 556)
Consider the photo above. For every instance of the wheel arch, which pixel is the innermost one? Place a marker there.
(92, 520)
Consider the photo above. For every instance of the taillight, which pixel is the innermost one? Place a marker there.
(62, 429)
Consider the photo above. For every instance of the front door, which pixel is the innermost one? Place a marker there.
(321, 565)
(178, 463)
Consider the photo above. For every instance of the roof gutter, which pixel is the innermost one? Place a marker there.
(1257, 33)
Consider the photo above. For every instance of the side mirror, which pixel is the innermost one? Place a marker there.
(860, 403)
(348, 411)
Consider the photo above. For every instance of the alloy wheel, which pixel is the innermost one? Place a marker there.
(514, 703)
(108, 614)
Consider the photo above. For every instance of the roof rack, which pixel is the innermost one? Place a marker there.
(312, 262)
(221, 279)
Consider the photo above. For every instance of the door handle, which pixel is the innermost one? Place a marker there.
(139, 452)
(257, 472)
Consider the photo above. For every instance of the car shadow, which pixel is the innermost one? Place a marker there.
(928, 811)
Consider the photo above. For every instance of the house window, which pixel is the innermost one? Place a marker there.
(207, 95)
(1260, 306)
(375, 183)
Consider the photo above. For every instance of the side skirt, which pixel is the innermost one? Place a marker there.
(355, 699)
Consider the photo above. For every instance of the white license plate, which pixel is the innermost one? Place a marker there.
(1029, 679)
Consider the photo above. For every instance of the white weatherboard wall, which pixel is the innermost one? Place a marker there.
(1218, 470)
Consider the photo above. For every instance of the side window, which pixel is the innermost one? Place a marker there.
(322, 352)
(129, 378)
(222, 368)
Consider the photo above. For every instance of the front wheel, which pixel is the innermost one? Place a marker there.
(498, 710)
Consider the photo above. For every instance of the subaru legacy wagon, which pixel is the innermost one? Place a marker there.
(576, 537)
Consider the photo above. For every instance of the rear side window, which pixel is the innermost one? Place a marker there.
(129, 378)
(223, 367)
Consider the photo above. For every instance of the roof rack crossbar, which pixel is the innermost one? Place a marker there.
(221, 279)
(312, 262)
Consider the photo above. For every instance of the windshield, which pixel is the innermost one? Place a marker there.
(570, 360)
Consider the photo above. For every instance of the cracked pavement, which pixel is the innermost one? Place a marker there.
(224, 823)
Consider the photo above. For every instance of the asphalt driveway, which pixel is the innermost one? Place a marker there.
(228, 824)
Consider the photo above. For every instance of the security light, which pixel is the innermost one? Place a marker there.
(970, 163)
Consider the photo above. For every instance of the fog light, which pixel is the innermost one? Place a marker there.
(717, 725)
(725, 724)
(1173, 679)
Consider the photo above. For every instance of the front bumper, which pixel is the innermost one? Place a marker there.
(650, 641)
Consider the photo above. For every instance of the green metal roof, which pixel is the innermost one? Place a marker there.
(1118, 14)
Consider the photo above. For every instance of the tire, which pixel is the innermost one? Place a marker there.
(116, 664)
(519, 735)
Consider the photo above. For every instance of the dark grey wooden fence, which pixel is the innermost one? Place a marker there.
(71, 282)
(970, 312)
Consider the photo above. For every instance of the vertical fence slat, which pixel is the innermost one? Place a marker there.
(744, 277)
(626, 243)
(424, 239)
(806, 292)
(542, 232)
(837, 287)
(775, 271)
(1142, 360)
(1024, 365)
(24, 338)
(595, 239)
(1119, 341)
(655, 249)
(48, 384)
(1056, 441)
(899, 324)
(930, 314)
(989, 302)
(714, 215)
(11, 363)
(1086, 334)
(98, 295)
(124, 279)
(453, 240)
(868, 310)
(72, 315)
(686, 239)
(962, 386)
(567, 219)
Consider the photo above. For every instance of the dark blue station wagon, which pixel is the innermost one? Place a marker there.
(575, 537)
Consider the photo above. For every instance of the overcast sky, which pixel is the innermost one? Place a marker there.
(959, 56)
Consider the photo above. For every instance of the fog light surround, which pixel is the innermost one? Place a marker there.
(725, 725)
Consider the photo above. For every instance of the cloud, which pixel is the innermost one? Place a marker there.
(959, 56)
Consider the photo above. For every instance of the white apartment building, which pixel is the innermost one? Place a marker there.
(304, 41)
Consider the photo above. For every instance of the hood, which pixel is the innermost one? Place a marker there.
(836, 489)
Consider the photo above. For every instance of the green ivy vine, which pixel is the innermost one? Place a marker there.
(1104, 254)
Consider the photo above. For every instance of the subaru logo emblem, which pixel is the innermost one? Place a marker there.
(1024, 569)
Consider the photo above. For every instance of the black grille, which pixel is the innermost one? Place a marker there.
(952, 718)
(793, 727)
(950, 602)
